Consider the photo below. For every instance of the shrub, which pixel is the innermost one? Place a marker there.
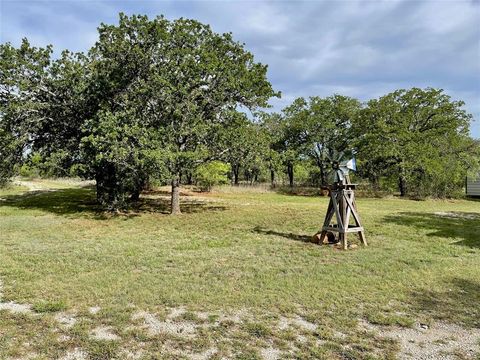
(302, 172)
(210, 174)
(28, 171)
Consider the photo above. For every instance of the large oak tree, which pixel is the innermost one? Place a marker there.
(318, 126)
(418, 136)
(177, 79)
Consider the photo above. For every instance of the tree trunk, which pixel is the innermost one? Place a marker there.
(247, 176)
(290, 174)
(375, 180)
(402, 185)
(135, 195)
(189, 178)
(272, 178)
(236, 170)
(108, 192)
(176, 195)
(323, 177)
(99, 187)
(139, 186)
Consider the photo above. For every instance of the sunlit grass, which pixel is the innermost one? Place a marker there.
(234, 250)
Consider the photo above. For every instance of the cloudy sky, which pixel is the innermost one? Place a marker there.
(362, 49)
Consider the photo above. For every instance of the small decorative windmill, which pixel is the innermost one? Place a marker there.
(342, 203)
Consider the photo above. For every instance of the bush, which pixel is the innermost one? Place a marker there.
(28, 171)
(211, 174)
(302, 173)
(57, 164)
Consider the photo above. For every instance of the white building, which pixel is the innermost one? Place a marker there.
(473, 186)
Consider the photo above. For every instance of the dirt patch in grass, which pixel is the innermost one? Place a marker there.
(104, 333)
(438, 340)
(304, 324)
(65, 320)
(270, 353)
(169, 326)
(15, 308)
(75, 354)
(203, 335)
(93, 310)
(457, 215)
(207, 354)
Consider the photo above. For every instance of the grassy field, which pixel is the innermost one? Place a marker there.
(233, 277)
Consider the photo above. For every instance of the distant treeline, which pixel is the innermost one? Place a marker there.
(159, 101)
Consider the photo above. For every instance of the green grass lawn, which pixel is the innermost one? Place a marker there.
(230, 254)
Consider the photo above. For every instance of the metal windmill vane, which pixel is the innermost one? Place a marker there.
(340, 168)
(342, 205)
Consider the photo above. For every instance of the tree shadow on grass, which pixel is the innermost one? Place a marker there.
(458, 303)
(160, 192)
(290, 236)
(82, 201)
(452, 224)
(300, 191)
(62, 201)
(162, 205)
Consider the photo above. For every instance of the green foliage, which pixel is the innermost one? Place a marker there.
(27, 171)
(282, 143)
(57, 164)
(30, 167)
(320, 125)
(211, 174)
(7, 159)
(121, 153)
(42, 109)
(414, 140)
(23, 97)
(53, 166)
(155, 98)
(242, 144)
(419, 137)
(174, 103)
(272, 130)
(302, 172)
(144, 102)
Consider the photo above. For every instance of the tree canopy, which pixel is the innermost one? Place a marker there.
(176, 80)
(419, 136)
(146, 98)
(162, 101)
(321, 125)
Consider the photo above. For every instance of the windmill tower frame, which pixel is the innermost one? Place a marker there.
(342, 206)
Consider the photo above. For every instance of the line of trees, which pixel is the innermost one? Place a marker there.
(155, 99)
(415, 140)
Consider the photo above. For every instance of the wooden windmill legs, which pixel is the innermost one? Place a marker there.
(342, 204)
